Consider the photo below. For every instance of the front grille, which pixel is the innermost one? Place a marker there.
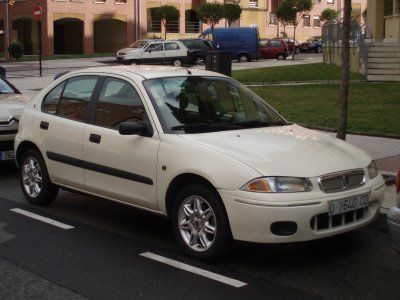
(342, 181)
(324, 221)
(7, 146)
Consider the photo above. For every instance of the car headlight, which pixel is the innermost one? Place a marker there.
(372, 170)
(278, 185)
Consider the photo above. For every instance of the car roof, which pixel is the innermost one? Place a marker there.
(146, 71)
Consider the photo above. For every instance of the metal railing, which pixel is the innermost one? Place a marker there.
(359, 34)
(154, 26)
(172, 27)
(192, 27)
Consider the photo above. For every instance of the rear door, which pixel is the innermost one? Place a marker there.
(62, 124)
(120, 167)
(173, 52)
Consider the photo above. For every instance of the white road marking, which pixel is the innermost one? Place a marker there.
(41, 218)
(198, 271)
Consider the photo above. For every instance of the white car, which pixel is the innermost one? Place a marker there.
(155, 52)
(12, 102)
(198, 147)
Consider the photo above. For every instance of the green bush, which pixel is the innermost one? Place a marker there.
(16, 50)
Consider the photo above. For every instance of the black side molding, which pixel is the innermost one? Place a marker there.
(98, 168)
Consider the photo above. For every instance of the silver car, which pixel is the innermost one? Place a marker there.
(12, 102)
(394, 217)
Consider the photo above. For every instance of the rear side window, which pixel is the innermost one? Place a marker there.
(171, 46)
(118, 102)
(50, 102)
(76, 97)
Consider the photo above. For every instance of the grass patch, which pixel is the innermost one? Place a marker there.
(373, 107)
(317, 71)
(63, 56)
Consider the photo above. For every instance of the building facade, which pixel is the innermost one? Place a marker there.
(103, 26)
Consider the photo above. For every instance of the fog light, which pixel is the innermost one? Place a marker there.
(285, 228)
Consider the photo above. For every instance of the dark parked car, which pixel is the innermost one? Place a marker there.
(313, 44)
(274, 48)
(291, 44)
(198, 49)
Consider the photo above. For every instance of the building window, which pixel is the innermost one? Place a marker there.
(99, 1)
(330, 1)
(317, 22)
(306, 21)
(253, 3)
(120, 1)
(273, 20)
(388, 7)
(317, 1)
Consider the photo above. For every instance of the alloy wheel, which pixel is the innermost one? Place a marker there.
(197, 223)
(32, 177)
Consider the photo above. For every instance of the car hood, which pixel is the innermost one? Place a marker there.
(285, 150)
(11, 105)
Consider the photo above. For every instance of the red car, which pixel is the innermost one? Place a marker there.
(274, 49)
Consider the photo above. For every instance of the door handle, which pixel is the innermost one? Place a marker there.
(95, 138)
(44, 125)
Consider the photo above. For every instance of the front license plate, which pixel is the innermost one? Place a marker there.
(7, 155)
(347, 204)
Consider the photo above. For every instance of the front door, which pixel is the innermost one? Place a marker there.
(62, 125)
(120, 167)
(154, 54)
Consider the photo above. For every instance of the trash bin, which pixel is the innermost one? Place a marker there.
(2, 72)
(219, 61)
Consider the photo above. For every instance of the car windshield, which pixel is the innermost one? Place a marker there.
(195, 104)
(5, 88)
(138, 44)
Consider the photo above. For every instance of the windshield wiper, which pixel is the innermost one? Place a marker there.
(204, 127)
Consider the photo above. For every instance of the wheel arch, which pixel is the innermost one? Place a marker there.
(22, 147)
(183, 180)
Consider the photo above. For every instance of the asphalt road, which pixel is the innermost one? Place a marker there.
(100, 257)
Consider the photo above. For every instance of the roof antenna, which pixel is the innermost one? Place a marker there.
(189, 72)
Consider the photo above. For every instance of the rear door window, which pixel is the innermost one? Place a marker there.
(51, 101)
(76, 97)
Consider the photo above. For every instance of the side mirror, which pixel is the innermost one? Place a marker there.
(133, 128)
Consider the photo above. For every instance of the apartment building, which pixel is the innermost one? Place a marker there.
(99, 26)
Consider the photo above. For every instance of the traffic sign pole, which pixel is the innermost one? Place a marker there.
(37, 13)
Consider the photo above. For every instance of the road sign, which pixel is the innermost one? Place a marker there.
(37, 12)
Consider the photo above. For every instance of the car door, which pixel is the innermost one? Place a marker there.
(173, 52)
(154, 54)
(120, 167)
(62, 125)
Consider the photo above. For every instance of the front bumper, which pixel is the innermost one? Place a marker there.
(251, 218)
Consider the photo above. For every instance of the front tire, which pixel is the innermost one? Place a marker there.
(319, 49)
(34, 179)
(177, 63)
(200, 223)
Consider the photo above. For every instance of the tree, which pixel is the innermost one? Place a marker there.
(232, 12)
(292, 11)
(344, 79)
(165, 14)
(210, 14)
(329, 15)
(285, 17)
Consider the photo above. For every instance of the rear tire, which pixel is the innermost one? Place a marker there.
(297, 51)
(200, 223)
(200, 61)
(34, 179)
(243, 58)
(281, 57)
(319, 49)
(177, 63)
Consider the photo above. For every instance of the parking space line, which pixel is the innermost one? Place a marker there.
(195, 270)
(41, 218)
